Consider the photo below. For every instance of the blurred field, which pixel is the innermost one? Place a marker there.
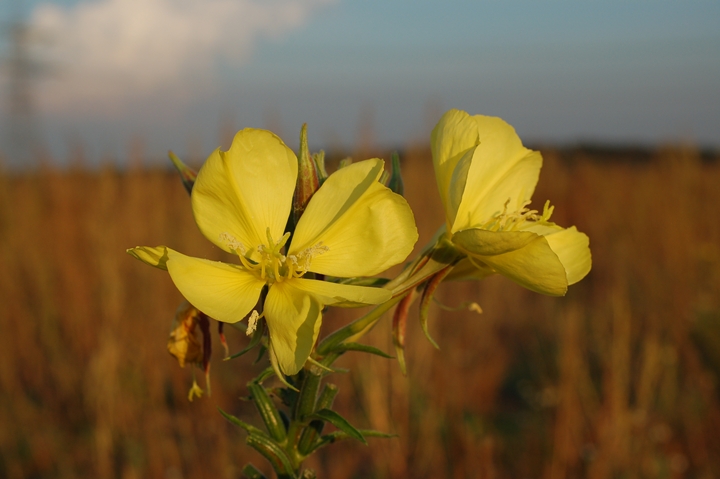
(617, 380)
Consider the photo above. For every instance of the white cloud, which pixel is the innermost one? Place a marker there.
(112, 54)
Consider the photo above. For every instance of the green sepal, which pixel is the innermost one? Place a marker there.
(268, 411)
(339, 422)
(254, 341)
(363, 348)
(251, 472)
(273, 453)
(248, 427)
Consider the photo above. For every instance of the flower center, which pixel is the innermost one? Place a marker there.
(516, 220)
(270, 265)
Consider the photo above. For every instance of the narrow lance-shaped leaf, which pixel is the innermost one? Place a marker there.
(254, 341)
(273, 453)
(311, 433)
(305, 403)
(248, 427)
(268, 411)
(336, 436)
(363, 348)
(339, 422)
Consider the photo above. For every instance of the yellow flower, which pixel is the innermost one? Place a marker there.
(242, 198)
(486, 178)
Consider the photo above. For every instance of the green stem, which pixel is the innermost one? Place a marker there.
(304, 406)
(419, 271)
(311, 433)
(357, 328)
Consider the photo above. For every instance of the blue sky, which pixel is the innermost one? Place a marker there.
(559, 71)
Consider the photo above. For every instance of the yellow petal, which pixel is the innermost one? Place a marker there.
(571, 246)
(451, 138)
(488, 243)
(534, 266)
(501, 169)
(156, 256)
(573, 249)
(366, 227)
(343, 295)
(293, 318)
(224, 292)
(241, 192)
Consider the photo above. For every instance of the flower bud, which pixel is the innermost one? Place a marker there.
(319, 160)
(187, 174)
(307, 180)
(395, 182)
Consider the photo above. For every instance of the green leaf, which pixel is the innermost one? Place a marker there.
(254, 341)
(364, 348)
(268, 372)
(269, 413)
(273, 453)
(339, 422)
(248, 427)
(251, 472)
(365, 433)
(336, 436)
(358, 281)
(260, 355)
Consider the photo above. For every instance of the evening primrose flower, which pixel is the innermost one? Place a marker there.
(352, 226)
(486, 178)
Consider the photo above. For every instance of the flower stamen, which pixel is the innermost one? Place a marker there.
(253, 321)
(273, 266)
(514, 221)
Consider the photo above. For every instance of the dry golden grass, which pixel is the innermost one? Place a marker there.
(618, 379)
